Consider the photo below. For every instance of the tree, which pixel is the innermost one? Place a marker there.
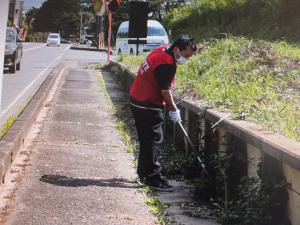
(30, 16)
(158, 9)
(58, 16)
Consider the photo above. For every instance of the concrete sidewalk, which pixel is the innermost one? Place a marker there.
(80, 173)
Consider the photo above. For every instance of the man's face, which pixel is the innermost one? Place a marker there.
(187, 53)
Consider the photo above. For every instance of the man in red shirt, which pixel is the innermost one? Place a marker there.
(150, 93)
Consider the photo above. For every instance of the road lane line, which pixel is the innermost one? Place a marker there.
(30, 49)
(32, 82)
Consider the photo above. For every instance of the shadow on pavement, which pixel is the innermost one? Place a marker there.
(83, 182)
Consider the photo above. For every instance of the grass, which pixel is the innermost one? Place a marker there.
(8, 124)
(250, 77)
(157, 209)
(122, 126)
(268, 20)
(131, 61)
(124, 131)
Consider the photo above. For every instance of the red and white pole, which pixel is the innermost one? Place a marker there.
(109, 35)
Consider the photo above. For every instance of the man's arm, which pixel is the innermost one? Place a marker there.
(168, 97)
(164, 75)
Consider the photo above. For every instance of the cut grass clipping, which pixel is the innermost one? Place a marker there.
(258, 79)
(8, 124)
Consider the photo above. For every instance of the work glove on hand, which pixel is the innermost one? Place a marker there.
(175, 116)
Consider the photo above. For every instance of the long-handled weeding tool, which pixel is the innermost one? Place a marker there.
(193, 147)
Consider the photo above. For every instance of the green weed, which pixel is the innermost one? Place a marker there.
(8, 124)
(253, 78)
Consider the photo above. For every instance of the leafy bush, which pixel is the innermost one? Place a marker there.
(37, 37)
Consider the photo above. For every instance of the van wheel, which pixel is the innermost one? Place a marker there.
(131, 51)
(119, 52)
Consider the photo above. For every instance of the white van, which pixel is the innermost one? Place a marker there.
(156, 36)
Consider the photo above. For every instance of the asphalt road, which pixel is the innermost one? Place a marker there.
(37, 63)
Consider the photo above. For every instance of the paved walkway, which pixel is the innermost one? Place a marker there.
(80, 173)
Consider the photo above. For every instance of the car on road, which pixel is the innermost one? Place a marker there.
(13, 50)
(53, 39)
(64, 41)
(85, 41)
(156, 36)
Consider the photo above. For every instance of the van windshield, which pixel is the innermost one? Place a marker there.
(156, 31)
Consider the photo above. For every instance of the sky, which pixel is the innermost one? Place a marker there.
(32, 3)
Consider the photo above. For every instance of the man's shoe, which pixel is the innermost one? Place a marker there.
(158, 184)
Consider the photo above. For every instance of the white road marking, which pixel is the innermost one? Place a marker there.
(30, 49)
(33, 82)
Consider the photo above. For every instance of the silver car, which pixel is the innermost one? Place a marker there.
(53, 39)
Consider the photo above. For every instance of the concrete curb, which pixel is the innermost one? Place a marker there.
(14, 139)
(91, 49)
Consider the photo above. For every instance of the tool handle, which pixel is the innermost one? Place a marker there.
(186, 136)
(192, 146)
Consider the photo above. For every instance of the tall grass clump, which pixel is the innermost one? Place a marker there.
(251, 77)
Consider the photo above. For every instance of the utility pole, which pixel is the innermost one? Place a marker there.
(3, 24)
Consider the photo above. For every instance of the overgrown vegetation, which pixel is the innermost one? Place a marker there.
(272, 19)
(258, 79)
(241, 200)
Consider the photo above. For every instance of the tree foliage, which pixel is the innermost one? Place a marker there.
(58, 16)
(157, 11)
(30, 16)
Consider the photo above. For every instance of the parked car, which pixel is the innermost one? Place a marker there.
(86, 41)
(13, 51)
(64, 41)
(156, 36)
(53, 39)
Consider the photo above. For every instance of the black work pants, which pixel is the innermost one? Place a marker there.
(150, 134)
